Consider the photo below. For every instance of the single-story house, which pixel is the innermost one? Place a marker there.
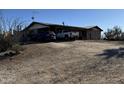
(37, 31)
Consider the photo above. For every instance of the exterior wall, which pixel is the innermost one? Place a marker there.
(83, 35)
(90, 35)
(94, 34)
(37, 31)
(70, 34)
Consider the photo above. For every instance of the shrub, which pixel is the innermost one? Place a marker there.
(114, 33)
(17, 48)
(5, 43)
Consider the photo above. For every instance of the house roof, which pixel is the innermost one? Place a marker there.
(76, 27)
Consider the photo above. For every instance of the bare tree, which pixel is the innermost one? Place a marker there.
(15, 25)
(3, 24)
(7, 27)
(10, 25)
(114, 33)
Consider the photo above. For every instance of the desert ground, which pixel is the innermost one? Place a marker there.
(71, 62)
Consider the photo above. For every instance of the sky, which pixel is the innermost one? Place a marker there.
(104, 18)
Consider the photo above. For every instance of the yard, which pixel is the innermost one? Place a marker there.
(66, 62)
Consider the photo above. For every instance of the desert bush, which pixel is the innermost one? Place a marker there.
(114, 33)
(17, 48)
(5, 42)
(3, 45)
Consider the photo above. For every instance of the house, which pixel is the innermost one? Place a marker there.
(37, 31)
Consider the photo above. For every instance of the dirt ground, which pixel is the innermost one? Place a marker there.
(66, 63)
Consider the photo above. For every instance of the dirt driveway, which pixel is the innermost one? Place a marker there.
(66, 62)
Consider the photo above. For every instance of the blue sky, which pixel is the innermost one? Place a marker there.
(83, 17)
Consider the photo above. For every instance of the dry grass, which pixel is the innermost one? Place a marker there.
(65, 62)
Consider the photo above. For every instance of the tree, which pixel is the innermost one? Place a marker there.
(117, 32)
(7, 27)
(10, 25)
(114, 33)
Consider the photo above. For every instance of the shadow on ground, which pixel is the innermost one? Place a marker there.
(109, 53)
